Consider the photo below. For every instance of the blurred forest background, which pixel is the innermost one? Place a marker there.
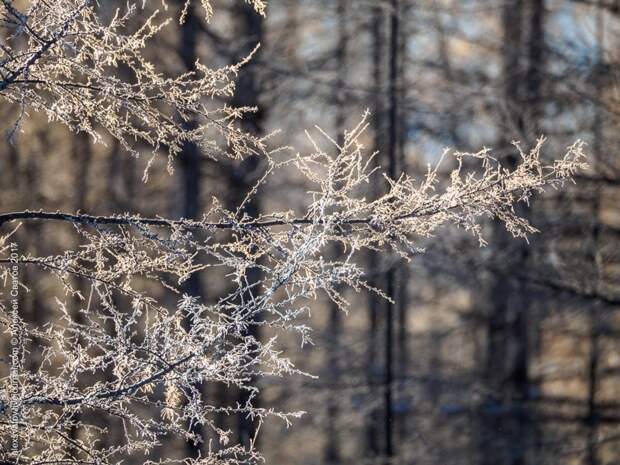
(502, 355)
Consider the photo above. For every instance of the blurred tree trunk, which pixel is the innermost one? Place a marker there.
(402, 270)
(122, 180)
(81, 154)
(190, 161)
(534, 78)
(334, 347)
(593, 256)
(242, 176)
(447, 69)
(505, 373)
(373, 426)
(534, 108)
(190, 158)
(392, 284)
(506, 432)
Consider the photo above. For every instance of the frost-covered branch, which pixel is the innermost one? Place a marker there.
(64, 59)
(493, 192)
(128, 348)
(134, 349)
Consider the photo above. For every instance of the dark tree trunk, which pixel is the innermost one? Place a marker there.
(593, 376)
(332, 443)
(505, 373)
(190, 162)
(507, 424)
(249, 27)
(392, 288)
(81, 158)
(449, 75)
(402, 271)
(374, 426)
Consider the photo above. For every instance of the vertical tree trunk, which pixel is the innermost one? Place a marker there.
(392, 274)
(332, 447)
(506, 355)
(249, 27)
(402, 271)
(536, 66)
(190, 159)
(534, 106)
(81, 158)
(373, 427)
(592, 417)
(506, 431)
(449, 77)
(190, 162)
(121, 182)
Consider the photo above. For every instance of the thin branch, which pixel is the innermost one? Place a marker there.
(110, 394)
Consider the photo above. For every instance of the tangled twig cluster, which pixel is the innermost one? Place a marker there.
(92, 74)
(145, 352)
(126, 351)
